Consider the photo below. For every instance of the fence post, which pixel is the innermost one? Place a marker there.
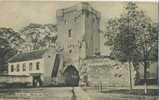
(101, 86)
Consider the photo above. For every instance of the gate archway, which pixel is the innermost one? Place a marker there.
(71, 76)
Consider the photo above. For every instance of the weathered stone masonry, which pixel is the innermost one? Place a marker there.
(79, 37)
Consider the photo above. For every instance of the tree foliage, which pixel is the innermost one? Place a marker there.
(133, 37)
(9, 44)
(130, 34)
(39, 36)
(31, 37)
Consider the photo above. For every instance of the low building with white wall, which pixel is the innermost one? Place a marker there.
(38, 64)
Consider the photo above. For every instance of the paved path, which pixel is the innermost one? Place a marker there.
(64, 93)
(81, 95)
(56, 93)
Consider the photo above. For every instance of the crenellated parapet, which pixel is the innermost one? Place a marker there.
(81, 7)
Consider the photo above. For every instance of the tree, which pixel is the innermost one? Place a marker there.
(127, 36)
(9, 44)
(51, 35)
(39, 36)
(147, 46)
(32, 35)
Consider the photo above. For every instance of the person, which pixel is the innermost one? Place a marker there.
(74, 97)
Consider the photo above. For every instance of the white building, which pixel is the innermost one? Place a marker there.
(41, 65)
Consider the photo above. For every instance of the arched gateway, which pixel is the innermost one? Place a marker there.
(71, 76)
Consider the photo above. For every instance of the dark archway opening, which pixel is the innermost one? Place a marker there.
(71, 76)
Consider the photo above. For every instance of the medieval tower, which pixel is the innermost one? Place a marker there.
(78, 30)
(78, 34)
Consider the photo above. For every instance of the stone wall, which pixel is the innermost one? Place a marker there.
(108, 72)
(151, 70)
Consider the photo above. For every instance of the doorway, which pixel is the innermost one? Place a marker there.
(71, 76)
(37, 82)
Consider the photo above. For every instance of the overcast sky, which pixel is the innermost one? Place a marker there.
(19, 14)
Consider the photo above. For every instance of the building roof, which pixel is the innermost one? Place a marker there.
(27, 56)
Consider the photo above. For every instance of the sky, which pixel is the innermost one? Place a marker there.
(17, 14)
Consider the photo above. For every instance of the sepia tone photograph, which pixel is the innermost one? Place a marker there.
(79, 50)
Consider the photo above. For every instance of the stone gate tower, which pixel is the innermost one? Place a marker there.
(78, 36)
(78, 32)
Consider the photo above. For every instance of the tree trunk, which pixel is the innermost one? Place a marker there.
(145, 77)
(130, 77)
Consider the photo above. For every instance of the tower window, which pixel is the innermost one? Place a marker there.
(87, 13)
(69, 33)
(65, 22)
(70, 51)
(75, 19)
(93, 20)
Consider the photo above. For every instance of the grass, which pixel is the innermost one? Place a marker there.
(151, 92)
